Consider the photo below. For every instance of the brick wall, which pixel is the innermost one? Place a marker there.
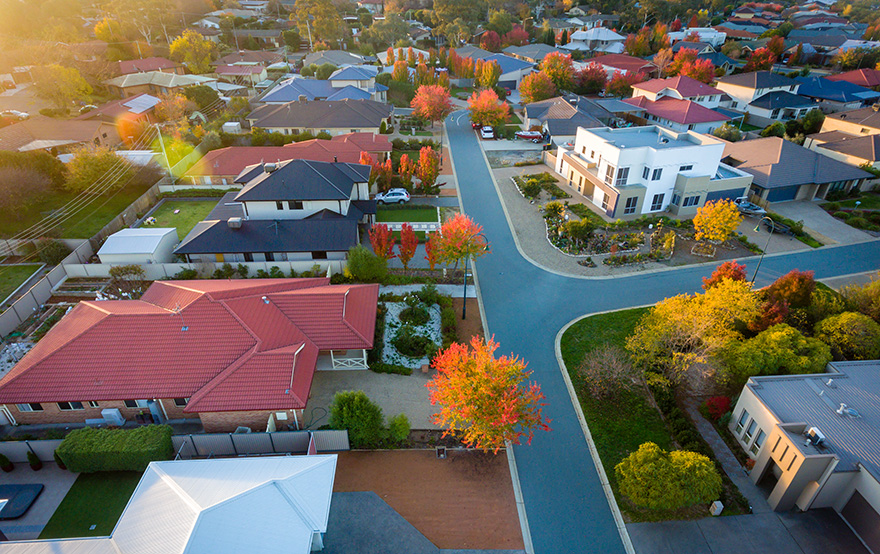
(226, 422)
(175, 412)
(52, 414)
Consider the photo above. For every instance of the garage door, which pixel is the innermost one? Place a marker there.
(863, 519)
(729, 194)
(782, 194)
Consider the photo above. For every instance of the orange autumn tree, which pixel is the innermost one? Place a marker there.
(432, 250)
(716, 221)
(428, 169)
(487, 109)
(366, 159)
(461, 238)
(406, 169)
(483, 400)
(382, 241)
(408, 243)
(432, 102)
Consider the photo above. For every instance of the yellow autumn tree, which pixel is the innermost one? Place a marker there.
(717, 220)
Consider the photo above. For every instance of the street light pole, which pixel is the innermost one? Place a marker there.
(761, 259)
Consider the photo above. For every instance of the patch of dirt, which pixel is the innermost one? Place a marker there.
(473, 325)
(465, 501)
(509, 158)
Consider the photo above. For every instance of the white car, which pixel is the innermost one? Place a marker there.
(393, 196)
(15, 114)
(487, 133)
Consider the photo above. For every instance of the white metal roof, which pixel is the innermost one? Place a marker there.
(270, 505)
(143, 240)
(140, 104)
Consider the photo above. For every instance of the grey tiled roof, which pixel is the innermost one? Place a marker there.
(283, 235)
(758, 79)
(781, 99)
(305, 180)
(321, 114)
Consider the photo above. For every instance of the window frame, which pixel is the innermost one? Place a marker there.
(621, 177)
(657, 201)
(93, 404)
(627, 209)
(758, 442)
(295, 205)
(688, 167)
(656, 174)
(137, 404)
(610, 172)
(71, 406)
(645, 172)
(30, 407)
(686, 203)
(279, 205)
(741, 422)
(178, 404)
(750, 431)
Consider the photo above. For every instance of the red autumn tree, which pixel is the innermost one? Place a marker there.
(590, 80)
(777, 46)
(687, 63)
(483, 400)
(536, 87)
(795, 287)
(408, 243)
(460, 238)
(491, 41)
(400, 73)
(517, 36)
(384, 172)
(683, 56)
(692, 36)
(694, 22)
(382, 241)
(675, 26)
(406, 169)
(762, 59)
(432, 250)
(428, 169)
(389, 61)
(727, 270)
(559, 68)
(621, 84)
(432, 102)
(366, 159)
(487, 109)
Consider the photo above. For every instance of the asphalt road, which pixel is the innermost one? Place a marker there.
(526, 306)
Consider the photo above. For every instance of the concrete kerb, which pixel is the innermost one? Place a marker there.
(511, 459)
(600, 469)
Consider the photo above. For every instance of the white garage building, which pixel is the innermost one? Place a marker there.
(144, 245)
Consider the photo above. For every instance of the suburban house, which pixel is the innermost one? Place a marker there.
(622, 63)
(154, 82)
(629, 172)
(708, 35)
(57, 136)
(273, 505)
(783, 170)
(474, 52)
(855, 150)
(720, 61)
(247, 75)
(223, 165)
(592, 21)
(372, 6)
(336, 117)
(137, 109)
(335, 57)
(230, 353)
(816, 441)
(679, 115)
(354, 82)
(698, 47)
(512, 69)
(141, 245)
(289, 211)
(765, 96)
(836, 96)
(561, 117)
(868, 78)
(266, 38)
(145, 65)
(534, 53)
(597, 39)
(250, 57)
(864, 121)
(681, 88)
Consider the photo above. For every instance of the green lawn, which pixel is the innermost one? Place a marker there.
(94, 499)
(869, 201)
(746, 128)
(91, 219)
(12, 276)
(408, 215)
(396, 154)
(191, 212)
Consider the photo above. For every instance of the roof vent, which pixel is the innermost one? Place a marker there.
(831, 384)
(270, 167)
(303, 98)
(234, 222)
(842, 409)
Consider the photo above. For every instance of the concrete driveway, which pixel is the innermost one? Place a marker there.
(819, 223)
(23, 99)
(814, 532)
(56, 482)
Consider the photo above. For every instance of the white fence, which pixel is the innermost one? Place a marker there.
(424, 226)
(214, 445)
(17, 451)
(167, 271)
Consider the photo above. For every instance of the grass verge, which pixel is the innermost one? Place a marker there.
(190, 213)
(12, 276)
(94, 499)
(408, 215)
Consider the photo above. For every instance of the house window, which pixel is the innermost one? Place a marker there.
(759, 442)
(93, 404)
(294, 205)
(630, 207)
(750, 431)
(656, 175)
(657, 202)
(319, 255)
(269, 256)
(69, 406)
(742, 421)
(774, 114)
(622, 175)
(609, 174)
(30, 407)
(181, 402)
(136, 404)
(583, 149)
(686, 167)
(592, 154)
(645, 172)
(865, 131)
(248, 257)
(604, 201)
(791, 88)
(279, 205)
(691, 127)
(691, 201)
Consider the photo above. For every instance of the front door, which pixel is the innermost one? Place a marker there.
(156, 411)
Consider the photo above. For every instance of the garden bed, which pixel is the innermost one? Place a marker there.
(531, 186)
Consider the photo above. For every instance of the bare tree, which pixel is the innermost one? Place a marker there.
(607, 371)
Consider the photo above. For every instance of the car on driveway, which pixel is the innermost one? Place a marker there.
(487, 133)
(15, 114)
(393, 196)
(534, 136)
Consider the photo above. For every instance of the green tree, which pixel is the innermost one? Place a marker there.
(60, 85)
(291, 39)
(398, 428)
(812, 121)
(500, 22)
(324, 71)
(851, 336)
(776, 129)
(202, 95)
(99, 166)
(51, 251)
(654, 478)
(388, 31)
(728, 132)
(365, 266)
(864, 299)
(193, 50)
(320, 18)
(360, 416)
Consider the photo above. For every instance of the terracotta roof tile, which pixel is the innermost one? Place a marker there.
(679, 111)
(687, 87)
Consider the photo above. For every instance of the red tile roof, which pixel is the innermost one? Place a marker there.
(345, 148)
(687, 87)
(239, 69)
(127, 67)
(862, 77)
(679, 111)
(627, 63)
(248, 345)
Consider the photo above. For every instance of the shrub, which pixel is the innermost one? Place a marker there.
(90, 450)
(353, 411)
(415, 315)
(34, 461)
(795, 288)
(851, 336)
(864, 299)
(365, 266)
(51, 251)
(58, 460)
(398, 428)
(531, 189)
(5, 464)
(841, 215)
(186, 275)
(411, 344)
(859, 223)
(831, 206)
(717, 406)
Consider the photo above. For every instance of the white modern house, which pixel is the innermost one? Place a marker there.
(597, 39)
(629, 172)
(707, 34)
(765, 96)
(144, 245)
(681, 88)
(271, 505)
(815, 440)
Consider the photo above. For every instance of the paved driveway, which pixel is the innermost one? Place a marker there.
(814, 532)
(818, 222)
(525, 307)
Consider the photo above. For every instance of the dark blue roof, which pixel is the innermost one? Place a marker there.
(292, 89)
(509, 63)
(837, 91)
(284, 235)
(781, 99)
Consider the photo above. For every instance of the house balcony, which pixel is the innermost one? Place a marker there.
(336, 360)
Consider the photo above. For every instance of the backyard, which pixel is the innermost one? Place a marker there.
(92, 506)
(182, 214)
(12, 276)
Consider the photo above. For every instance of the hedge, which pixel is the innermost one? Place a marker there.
(90, 450)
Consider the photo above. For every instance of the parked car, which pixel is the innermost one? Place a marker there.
(15, 114)
(748, 208)
(534, 136)
(8, 85)
(487, 133)
(475, 125)
(393, 196)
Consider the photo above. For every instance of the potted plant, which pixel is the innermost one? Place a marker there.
(5, 464)
(34, 461)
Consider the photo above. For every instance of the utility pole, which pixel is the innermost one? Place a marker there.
(164, 153)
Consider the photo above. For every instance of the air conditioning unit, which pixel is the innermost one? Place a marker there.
(234, 222)
(816, 436)
(113, 416)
